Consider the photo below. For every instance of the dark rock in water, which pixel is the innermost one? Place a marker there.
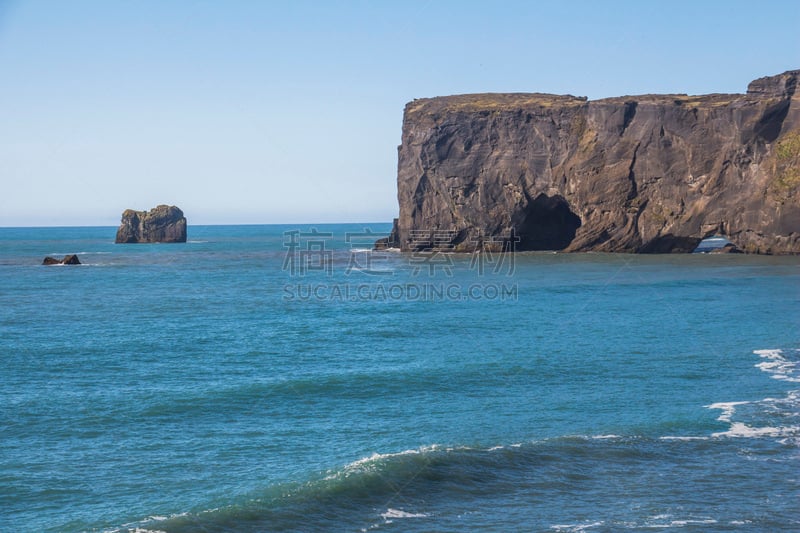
(71, 259)
(164, 223)
(647, 174)
(392, 241)
(729, 248)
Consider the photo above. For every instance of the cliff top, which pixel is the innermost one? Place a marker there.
(703, 100)
(779, 86)
(492, 102)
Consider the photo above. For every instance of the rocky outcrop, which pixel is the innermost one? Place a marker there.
(392, 241)
(71, 259)
(164, 223)
(652, 173)
(729, 248)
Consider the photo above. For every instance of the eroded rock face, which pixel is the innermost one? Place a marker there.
(164, 223)
(652, 173)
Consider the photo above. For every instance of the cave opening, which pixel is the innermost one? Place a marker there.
(548, 223)
(713, 244)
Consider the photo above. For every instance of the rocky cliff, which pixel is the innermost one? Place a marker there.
(164, 223)
(651, 173)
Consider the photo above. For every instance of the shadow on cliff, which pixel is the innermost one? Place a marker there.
(547, 223)
(671, 244)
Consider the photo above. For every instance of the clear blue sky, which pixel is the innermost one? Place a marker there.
(267, 112)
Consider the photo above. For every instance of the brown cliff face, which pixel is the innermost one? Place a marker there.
(164, 223)
(652, 173)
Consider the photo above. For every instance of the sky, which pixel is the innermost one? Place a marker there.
(248, 112)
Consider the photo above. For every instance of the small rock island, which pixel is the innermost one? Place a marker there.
(164, 223)
(70, 259)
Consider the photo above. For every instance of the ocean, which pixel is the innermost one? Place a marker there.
(289, 378)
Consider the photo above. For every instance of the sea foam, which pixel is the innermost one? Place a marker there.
(398, 513)
(778, 365)
(775, 363)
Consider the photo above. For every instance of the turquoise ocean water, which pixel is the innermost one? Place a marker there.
(285, 378)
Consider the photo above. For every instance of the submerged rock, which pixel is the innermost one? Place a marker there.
(70, 259)
(164, 223)
(648, 174)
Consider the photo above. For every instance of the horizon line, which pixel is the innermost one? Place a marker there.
(199, 225)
